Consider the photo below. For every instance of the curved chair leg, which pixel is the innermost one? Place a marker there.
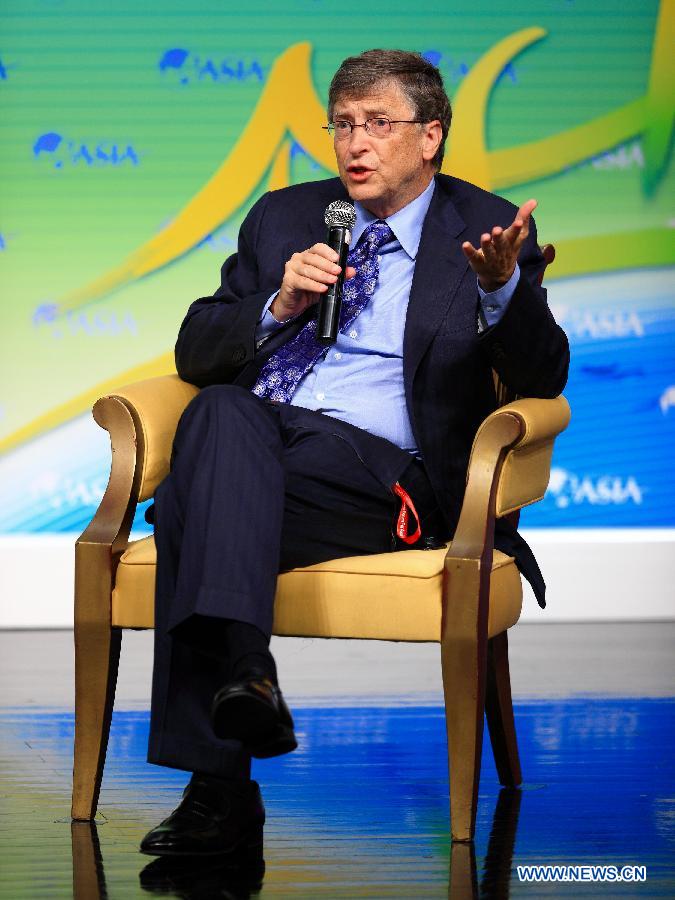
(97, 651)
(499, 712)
(464, 663)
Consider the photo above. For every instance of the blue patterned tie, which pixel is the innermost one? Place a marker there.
(284, 370)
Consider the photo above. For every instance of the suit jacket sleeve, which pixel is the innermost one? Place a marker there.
(217, 337)
(526, 347)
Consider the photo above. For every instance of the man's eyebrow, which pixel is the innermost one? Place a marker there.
(370, 112)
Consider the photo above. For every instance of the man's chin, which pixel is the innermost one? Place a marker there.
(369, 193)
(362, 192)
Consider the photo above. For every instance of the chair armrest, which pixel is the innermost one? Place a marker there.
(525, 473)
(156, 406)
(509, 468)
(141, 419)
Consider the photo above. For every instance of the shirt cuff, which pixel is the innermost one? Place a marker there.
(267, 324)
(493, 305)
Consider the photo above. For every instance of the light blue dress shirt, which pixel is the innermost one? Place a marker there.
(360, 380)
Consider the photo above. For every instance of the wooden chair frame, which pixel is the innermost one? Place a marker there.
(475, 668)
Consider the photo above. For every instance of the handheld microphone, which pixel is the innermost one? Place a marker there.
(340, 217)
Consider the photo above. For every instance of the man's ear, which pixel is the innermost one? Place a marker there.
(433, 135)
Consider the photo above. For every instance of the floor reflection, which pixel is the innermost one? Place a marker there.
(360, 810)
(496, 875)
(88, 873)
(200, 878)
(188, 877)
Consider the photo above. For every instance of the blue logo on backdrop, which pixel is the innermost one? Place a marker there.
(4, 70)
(454, 70)
(298, 152)
(191, 68)
(667, 399)
(570, 489)
(584, 323)
(612, 468)
(61, 151)
(94, 324)
(219, 242)
(54, 493)
(627, 156)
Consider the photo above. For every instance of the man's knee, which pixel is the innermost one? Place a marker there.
(223, 396)
(229, 416)
(226, 401)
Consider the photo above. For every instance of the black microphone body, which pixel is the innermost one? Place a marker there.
(330, 303)
(340, 217)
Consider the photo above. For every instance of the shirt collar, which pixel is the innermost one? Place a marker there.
(406, 223)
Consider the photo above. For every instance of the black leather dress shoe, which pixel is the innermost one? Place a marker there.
(212, 818)
(253, 711)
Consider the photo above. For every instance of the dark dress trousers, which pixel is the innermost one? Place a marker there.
(257, 487)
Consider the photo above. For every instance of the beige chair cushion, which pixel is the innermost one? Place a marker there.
(390, 596)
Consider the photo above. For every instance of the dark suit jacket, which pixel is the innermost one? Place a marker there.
(447, 365)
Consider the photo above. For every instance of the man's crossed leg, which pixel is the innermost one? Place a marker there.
(255, 488)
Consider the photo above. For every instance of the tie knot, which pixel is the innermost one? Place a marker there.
(377, 234)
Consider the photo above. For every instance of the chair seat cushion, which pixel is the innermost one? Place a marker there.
(389, 596)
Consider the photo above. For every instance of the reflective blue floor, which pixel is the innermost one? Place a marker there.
(360, 810)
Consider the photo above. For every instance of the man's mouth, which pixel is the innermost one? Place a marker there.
(359, 173)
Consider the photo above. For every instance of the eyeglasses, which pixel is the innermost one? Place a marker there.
(379, 126)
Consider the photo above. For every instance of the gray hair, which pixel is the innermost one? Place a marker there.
(418, 79)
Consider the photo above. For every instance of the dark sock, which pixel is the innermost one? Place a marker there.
(245, 646)
(224, 784)
(248, 650)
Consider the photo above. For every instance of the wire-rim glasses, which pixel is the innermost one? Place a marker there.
(377, 126)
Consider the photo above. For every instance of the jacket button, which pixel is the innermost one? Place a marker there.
(239, 353)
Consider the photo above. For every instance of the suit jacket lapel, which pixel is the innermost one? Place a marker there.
(439, 269)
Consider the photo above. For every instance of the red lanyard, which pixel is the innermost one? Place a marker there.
(407, 507)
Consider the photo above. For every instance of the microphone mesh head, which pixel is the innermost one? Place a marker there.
(340, 212)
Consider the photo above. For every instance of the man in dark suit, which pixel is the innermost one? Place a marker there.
(294, 453)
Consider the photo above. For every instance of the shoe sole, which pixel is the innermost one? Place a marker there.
(250, 847)
(245, 718)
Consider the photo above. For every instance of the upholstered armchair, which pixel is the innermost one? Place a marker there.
(465, 596)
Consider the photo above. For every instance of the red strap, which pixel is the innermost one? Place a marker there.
(402, 521)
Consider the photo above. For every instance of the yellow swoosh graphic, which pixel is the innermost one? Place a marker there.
(57, 415)
(289, 109)
(574, 256)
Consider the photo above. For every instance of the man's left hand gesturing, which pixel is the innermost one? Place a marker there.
(496, 259)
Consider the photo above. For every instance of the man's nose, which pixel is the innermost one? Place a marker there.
(359, 139)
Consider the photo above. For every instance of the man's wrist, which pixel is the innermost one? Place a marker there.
(490, 286)
(279, 315)
(492, 304)
(267, 324)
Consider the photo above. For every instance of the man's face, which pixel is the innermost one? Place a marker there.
(385, 173)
